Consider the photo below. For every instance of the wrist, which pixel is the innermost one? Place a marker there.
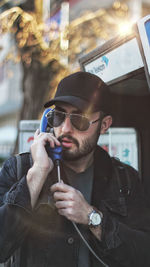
(94, 217)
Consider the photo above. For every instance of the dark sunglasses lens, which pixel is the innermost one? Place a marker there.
(55, 118)
(81, 123)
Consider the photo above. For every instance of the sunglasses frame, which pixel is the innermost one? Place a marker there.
(70, 115)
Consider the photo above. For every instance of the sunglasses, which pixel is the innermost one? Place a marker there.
(55, 118)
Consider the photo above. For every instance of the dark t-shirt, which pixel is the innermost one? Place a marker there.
(83, 182)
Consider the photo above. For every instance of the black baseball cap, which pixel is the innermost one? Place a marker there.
(85, 91)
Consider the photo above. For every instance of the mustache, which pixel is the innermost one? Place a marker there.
(72, 139)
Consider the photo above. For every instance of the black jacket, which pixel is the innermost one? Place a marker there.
(42, 238)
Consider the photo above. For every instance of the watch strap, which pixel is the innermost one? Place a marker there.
(94, 211)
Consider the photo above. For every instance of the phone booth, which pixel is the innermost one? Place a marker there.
(27, 129)
(124, 64)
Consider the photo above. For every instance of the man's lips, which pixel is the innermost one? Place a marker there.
(67, 142)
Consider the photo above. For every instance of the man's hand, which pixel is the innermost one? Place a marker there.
(39, 154)
(42, 164)
(71, 203)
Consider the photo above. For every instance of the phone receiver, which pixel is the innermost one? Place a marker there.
(56, 152)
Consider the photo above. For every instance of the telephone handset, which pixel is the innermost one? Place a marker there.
(56, 152)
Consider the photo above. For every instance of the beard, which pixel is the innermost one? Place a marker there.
(86, 147)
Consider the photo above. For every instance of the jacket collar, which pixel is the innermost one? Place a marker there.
(103, 193)
(102, 176)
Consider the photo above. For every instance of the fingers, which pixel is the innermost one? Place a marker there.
(67, 213)
(61, 187)
(46, 137)
(63, 204)
(60, 196)
(63, 195)
(65, 207)
(36, 133)
(38, 149)
(70, 203)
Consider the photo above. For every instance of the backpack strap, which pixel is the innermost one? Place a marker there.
(122, 176)
(24, 163)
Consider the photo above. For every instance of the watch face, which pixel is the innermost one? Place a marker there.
(95, 218)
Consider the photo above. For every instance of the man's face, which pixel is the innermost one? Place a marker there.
(77, 144)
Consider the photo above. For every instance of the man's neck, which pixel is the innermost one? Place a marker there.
(81, 164)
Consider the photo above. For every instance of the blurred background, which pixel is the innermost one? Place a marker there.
(41, 41)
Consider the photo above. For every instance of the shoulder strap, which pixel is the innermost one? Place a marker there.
(24, 162)
(122, 175)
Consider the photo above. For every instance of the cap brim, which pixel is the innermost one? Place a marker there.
(73, 100)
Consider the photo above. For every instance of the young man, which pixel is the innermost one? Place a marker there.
(40, 217)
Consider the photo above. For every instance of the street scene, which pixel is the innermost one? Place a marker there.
(74, 133)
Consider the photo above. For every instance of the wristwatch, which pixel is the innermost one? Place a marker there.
(95, 218)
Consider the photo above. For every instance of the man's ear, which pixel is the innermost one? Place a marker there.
(106, 123)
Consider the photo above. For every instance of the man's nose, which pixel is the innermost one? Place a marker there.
(67, 126)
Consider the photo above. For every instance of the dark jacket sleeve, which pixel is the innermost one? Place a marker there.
(15, 209)
(125, 228)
